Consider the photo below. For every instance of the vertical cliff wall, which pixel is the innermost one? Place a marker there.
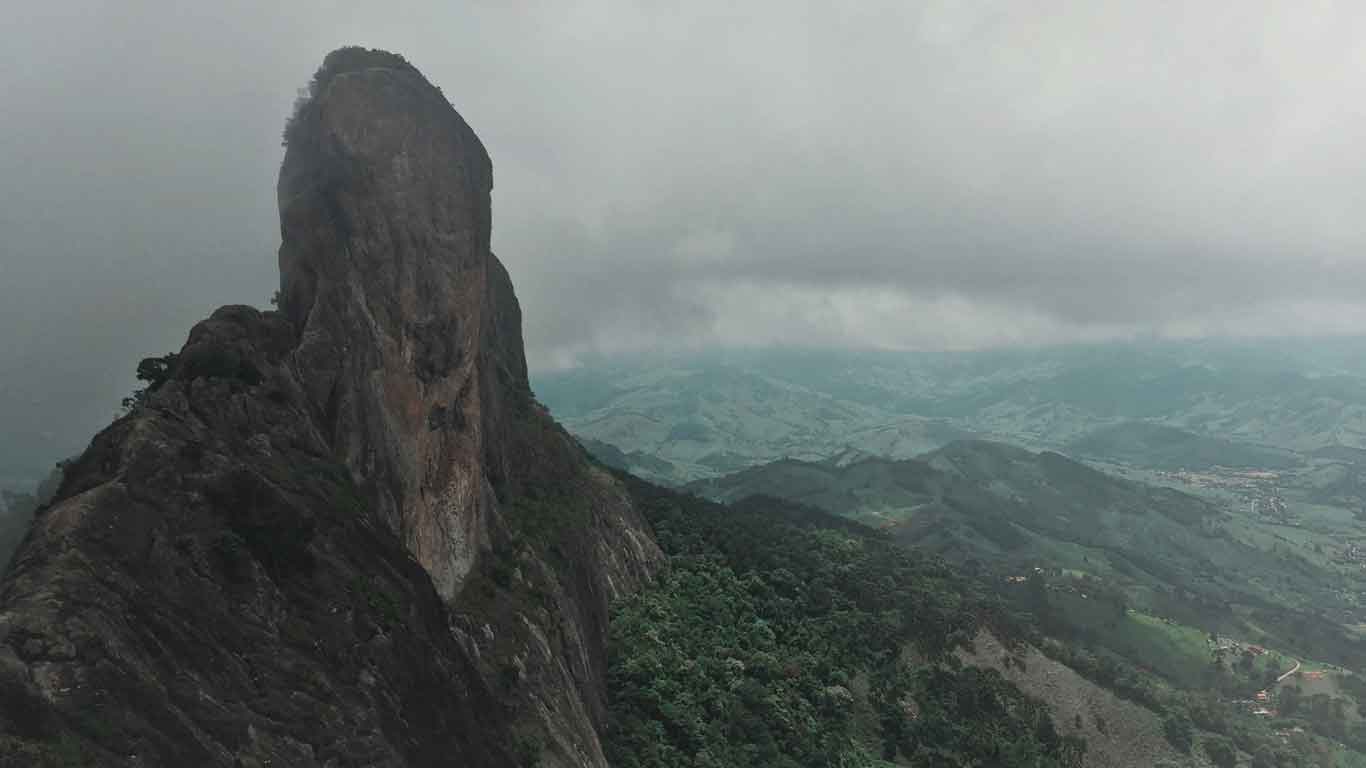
(410, 337)
(343, 533)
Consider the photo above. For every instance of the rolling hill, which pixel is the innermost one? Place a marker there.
(1007, 510)
(715, 413)
(1160, 446)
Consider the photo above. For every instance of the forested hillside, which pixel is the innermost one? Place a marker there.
(1165, 598)
(781, 636)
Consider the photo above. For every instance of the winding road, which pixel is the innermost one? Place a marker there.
(1282, 678)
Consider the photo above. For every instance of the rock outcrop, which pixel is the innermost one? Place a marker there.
(342, 533)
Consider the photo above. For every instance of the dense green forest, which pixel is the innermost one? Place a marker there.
(840, 604)
(783, 636)
(999, 510)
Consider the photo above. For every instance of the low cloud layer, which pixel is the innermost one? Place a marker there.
(936, 174)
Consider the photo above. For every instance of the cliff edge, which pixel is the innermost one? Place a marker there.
(344, 532)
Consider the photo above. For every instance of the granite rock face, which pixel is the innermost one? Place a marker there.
(409, 334)
(343, 533)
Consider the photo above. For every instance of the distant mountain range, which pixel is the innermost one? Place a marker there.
(1215, 482)
(1189, 510)
(1159, 446)
(1162, 405)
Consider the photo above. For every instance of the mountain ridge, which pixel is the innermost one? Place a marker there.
(344, 532)
(1260, 399)
(1007, 510)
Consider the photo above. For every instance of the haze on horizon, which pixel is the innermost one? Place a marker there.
(917, 175)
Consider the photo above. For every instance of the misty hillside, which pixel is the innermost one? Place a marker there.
(980, 494)
(1163, 447)
(1170, 553)
(1250, 404)
(1201, 548)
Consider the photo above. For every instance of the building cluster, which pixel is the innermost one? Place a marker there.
(1230, 646)
(1260, 705)
(1257, 487)
(1287, 734)
(1223, 477)
(1355, 552)
(1270, 505)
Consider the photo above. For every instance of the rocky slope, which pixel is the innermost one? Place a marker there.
(1118, 733)
(343, 533)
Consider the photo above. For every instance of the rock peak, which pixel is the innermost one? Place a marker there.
(409, 326)
(325, 536)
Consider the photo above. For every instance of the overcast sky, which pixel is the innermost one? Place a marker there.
(900, 174)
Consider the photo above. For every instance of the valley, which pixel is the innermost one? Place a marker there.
(1193, 546)
(829, 385)
(1167, 586)
(1162, 405)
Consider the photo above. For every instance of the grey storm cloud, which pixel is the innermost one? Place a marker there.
(897, 174)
